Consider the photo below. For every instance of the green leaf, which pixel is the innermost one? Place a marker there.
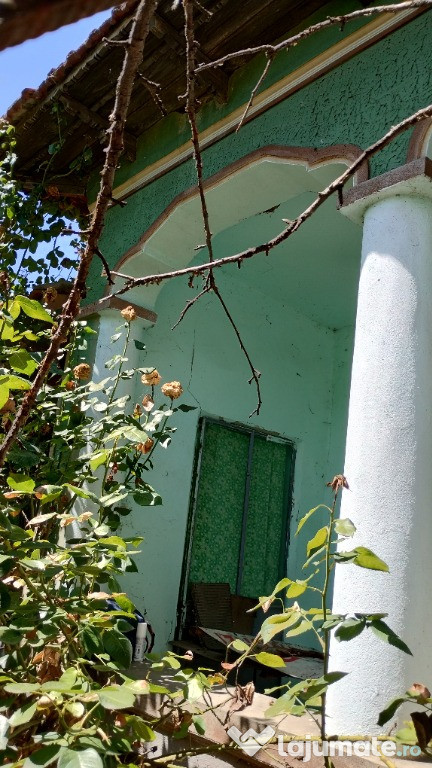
(14, 382)
(390, 710)
(350, 629)
(309, 514)
(363, 557)
(10, 636)
(23, 715)
(21, 687)
(345, 527)
(367, 559)
(270, 660)
(4, 395)
(239, 645)
(91, 640)
(119, 648)
(277, 623)
(383, 631)
(98, 459)
(140, 728)
(116, 697)
(303, 626)
(83, 758)
(33, 309)
(199, 724)
(83, 494)
(296, 589)
(42, 757)
(21, 483)
(22, 362)
(317, 541)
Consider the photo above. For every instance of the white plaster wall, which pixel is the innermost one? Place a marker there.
(388, 464)
(297, 360)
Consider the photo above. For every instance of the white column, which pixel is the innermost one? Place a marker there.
(389, 462)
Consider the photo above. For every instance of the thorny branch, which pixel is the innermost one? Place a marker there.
(330, 21)
(132, 60)
(237, 258)
(210, 283)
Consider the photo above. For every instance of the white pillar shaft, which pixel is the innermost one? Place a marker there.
(388, 464)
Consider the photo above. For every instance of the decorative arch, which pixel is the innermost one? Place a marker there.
(421, 141)
(302, 169)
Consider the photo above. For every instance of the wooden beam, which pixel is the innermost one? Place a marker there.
(163, 30)
(96, 120)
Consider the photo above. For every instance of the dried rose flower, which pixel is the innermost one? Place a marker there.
(172, 389)
(147, 403)
(70, 385)
(338, 482)
(82, 371)
(152, 379)
(49, 295)
(419, 690)
(145, 447)
(128, 313)
(137, 411)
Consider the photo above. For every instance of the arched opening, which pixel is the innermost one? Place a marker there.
(295, 310)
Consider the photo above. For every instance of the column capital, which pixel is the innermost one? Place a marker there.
(413, 179)
(116, 304)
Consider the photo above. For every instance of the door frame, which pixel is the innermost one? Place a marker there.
(288, 500)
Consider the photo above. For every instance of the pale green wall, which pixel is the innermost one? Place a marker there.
(300, 360)
(306, 366)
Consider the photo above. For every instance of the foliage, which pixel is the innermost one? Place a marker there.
(82, 457)
(323, 554)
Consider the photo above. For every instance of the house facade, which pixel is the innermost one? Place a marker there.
(337, 318)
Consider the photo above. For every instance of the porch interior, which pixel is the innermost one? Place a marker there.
(295, 311)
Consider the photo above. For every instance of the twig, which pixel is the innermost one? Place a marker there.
(340, 21)
(294, 225)
(190, 304)
(105, 266)
(255, 374)
(260, 81)
(190, 110)
(154, 90)
(132, 60)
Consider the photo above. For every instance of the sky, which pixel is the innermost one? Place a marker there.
(27, 65)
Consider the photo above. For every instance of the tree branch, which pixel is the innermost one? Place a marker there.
(331, 21)
(131, 62)
(293, 226)
(210, 284)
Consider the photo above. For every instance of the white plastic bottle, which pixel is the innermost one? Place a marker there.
(140, 641)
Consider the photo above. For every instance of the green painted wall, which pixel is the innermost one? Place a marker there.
(301, 363)
(306, 365)
(355, 103)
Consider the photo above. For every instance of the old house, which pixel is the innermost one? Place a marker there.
(337, 318)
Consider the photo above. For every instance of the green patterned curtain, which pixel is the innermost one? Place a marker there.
(220, 513)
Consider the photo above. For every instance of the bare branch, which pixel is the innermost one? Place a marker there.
(131, 62)
(191, 113)
(260, 81)
(331, 21)
(190, 304)
(105, 266)
(293, 226)
(255, 374)
(154, 90)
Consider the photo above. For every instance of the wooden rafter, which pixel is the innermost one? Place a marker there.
(163, 30)
(94, 119)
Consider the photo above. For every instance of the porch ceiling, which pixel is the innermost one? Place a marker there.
(315, 271)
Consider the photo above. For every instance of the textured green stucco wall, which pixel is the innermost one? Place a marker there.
(354, 103)
(306, 365)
